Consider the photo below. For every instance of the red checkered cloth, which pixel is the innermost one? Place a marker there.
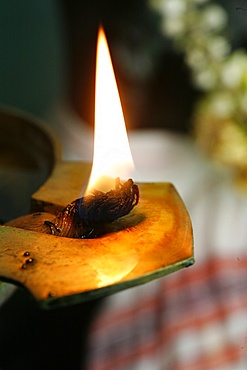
(195, 319)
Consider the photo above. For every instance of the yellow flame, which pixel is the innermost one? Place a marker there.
(112, 156)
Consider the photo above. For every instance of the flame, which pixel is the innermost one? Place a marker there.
(112, 156)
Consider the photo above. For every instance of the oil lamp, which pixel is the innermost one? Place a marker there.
(151, 239)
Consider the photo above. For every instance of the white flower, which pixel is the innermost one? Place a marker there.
(234, 70)
(173, 8)
(218, 47)
(196, 28)
(213, 18)
(206, 79)
(222, 104)
(195, 59)
(173, 27)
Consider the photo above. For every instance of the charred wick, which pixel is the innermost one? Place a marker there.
(83, 216)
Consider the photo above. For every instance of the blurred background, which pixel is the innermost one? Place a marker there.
(48, 54)
(47, 68)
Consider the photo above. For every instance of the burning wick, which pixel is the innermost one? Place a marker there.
(81, 218)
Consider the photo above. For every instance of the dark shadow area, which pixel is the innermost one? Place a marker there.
(32, 338)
